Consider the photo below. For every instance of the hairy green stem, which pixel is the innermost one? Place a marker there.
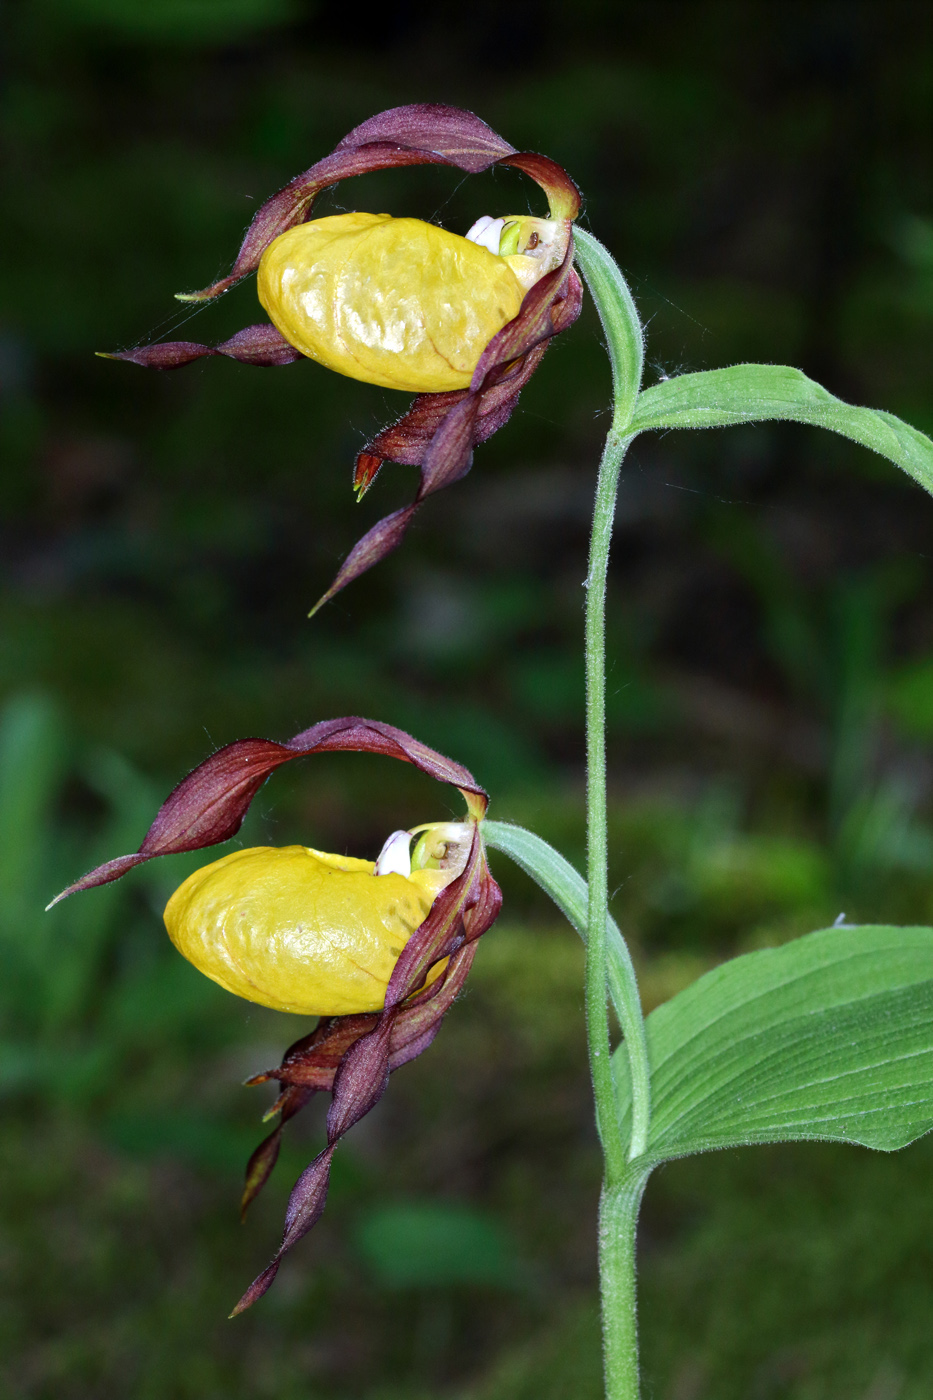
(618, 1218)
(597, 1011)
(624, 1184)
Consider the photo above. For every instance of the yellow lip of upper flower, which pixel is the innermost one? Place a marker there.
(395, 302)
(300, 930)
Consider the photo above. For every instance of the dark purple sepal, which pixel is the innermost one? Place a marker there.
(255, 345)
(209, 805)
(563, 195)
(384, 537)
(450, 133)
(305, 1208)
(423, 133)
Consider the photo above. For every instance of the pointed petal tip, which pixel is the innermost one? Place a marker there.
(105, 355)
(257, 1288)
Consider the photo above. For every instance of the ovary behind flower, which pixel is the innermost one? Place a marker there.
(297, 929)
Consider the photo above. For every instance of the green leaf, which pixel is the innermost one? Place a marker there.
(717, 398)
(828, 1037)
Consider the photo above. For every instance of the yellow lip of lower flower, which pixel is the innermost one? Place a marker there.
(395, 302)
(297, 929)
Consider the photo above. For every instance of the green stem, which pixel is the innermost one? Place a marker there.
(597, 1011)
(618, 1219)
(623, 1185)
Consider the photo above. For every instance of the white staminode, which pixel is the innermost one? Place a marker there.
(394, 858)
(487, 232)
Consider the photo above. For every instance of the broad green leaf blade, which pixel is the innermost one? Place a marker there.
(828, 1037)
(718, 398)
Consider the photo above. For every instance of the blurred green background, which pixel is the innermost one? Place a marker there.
(762, 173)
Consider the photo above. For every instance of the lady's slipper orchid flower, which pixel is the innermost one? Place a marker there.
(379, 950)
(461, 321)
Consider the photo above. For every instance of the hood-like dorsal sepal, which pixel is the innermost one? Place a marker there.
(423, 133)
(210, 804)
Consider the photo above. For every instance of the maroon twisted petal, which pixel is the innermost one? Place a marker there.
(255, 345)
(440, 431)
(378, 1044)
(309, 1066)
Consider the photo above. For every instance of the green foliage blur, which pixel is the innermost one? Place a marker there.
(762, 173)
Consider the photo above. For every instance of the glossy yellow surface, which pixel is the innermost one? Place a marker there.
(395, 302)
(297, 929)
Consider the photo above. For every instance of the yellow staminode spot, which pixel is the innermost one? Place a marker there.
(297, 929)
(395, 302)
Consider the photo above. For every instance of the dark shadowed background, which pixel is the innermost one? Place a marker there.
(762, 173)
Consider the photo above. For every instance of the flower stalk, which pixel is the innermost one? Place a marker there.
(623, 1184)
